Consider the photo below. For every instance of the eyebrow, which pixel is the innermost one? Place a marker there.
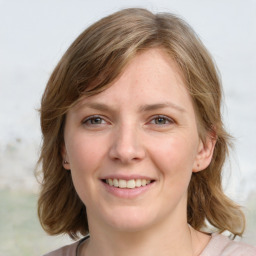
(143, 108)
(150, 107)
(98, 106)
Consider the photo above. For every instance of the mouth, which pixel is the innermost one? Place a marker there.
(130, 184)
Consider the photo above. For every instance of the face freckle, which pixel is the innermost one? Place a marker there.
(143, 127)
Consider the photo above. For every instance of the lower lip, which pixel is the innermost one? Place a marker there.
(127, 192)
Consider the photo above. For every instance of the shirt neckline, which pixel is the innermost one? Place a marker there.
(213, 235)
(80, 243)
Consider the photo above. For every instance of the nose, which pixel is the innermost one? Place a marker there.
(127, 146)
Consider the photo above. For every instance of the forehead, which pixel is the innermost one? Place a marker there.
(150, 76)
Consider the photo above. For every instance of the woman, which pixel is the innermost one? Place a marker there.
(133, 143)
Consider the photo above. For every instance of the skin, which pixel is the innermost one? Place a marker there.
(144, 124)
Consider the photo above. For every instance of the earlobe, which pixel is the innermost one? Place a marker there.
(205, 153)
(65, 162)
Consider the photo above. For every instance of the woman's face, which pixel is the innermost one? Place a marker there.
(132, 148)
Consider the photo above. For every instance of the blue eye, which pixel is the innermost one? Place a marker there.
(94, 120)
(161, 120)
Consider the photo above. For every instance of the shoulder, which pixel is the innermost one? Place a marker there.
(64, 251)
(221, 245)
(68, 250)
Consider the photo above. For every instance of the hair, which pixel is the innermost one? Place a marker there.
(89, 66)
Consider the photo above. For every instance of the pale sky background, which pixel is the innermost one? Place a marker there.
(35, 34)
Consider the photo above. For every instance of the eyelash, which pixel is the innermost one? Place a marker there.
(165, 118)
(88, 121)
(91, 118)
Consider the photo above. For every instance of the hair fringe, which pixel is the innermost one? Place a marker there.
(95, 59)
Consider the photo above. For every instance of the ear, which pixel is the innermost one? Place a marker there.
(65, 158)
(205, 153)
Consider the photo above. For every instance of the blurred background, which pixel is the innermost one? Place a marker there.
(33, 37)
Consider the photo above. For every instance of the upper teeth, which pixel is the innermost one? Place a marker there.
(127, 183)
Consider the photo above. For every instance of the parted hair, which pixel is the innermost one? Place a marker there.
(93, 61)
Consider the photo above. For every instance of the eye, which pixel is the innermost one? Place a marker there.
(161, 120)
(94, 120)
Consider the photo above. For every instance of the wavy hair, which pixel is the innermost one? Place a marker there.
(94, 60)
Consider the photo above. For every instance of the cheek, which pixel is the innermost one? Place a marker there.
(85, 156)
(174, 156)
(84, 152)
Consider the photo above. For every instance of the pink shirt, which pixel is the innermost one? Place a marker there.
(219, 245)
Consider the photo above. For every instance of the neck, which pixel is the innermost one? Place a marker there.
(176, 240)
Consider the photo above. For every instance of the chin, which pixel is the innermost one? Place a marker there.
(130, 220)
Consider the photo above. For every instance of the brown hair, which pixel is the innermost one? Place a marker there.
(92, 62)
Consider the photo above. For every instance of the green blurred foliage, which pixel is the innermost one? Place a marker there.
(22, 235)
(20, 231)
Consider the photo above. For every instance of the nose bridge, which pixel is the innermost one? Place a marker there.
(127, 145)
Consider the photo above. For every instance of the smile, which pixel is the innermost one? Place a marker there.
(133, 183)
